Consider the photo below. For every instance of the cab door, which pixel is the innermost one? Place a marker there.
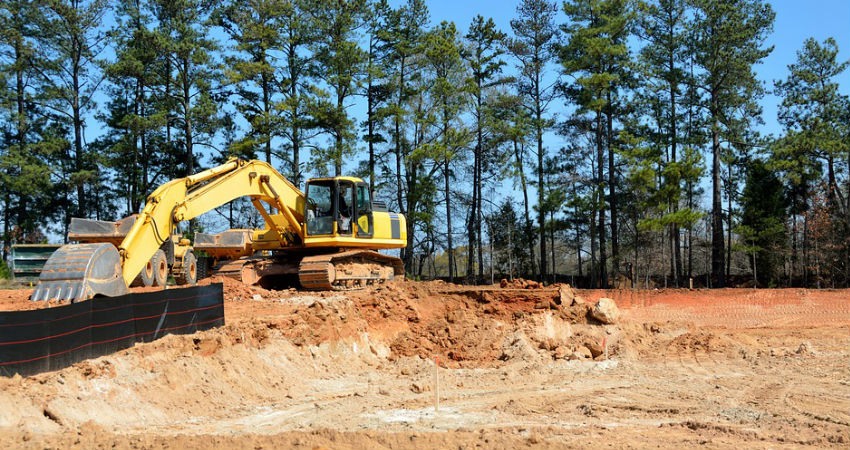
(346, 208)
(363, 211)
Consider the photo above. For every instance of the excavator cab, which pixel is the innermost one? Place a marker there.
(338, 206)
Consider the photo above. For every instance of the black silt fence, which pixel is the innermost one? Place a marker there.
(53, 338)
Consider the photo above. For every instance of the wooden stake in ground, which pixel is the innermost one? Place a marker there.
(436, 383)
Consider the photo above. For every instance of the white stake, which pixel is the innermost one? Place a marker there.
(436, 384)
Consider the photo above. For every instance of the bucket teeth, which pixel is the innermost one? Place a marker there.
(79, 272)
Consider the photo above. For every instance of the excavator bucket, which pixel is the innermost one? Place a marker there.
(78, 272)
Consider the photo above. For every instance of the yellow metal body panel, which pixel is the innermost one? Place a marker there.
(382, 237)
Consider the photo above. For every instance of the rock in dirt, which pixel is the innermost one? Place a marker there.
(419, 388)
(567, 296)
(517, 347)
(605, 310)
(561, 352)
(805, 349)
(595, 348)
(580, 353)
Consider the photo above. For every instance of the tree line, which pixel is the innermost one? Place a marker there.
(623, 131)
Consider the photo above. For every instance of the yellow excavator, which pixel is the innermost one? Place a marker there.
(327, 237)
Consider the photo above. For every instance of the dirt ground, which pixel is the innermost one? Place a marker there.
(433, 365)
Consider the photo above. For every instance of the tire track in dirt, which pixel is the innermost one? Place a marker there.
(818, 404)
(738, 308)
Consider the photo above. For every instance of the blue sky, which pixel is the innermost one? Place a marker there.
(795, 21)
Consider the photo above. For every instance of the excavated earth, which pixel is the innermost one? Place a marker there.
(434, 365)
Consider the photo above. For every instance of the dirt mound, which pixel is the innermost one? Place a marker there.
(519, 283)
(462, 327)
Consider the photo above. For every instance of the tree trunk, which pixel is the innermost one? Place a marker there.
(717, 244)
(20, 140)
(674, 205)
(475, 215)
(167, 95)
(187, 116)
(690, 234)
(406, 253)
(578, 242)
(612, 190)
(477, 187)
(729, 194)
(450, 245)
(541, 187)
(338, 151)
(267, 112)
(552, 247)
(524, 183)
(793, 243)
(370, 113)
(294, 126)
(447, 179)
(600, 193)
(7, 228)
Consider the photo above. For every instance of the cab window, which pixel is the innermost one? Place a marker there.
(319, 213)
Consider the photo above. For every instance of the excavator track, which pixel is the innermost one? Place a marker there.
(348, 270)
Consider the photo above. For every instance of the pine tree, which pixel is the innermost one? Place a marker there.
(407, 26)
(255, 29)
(534, 37)
(71, 42)
(727, 40)
(297, 85)
(442, 53)
(483, 53)
(190, 78)
(815, 133)
(340, 65)
(25, 138)
(377, 85)
(512, 126)
(597, 56)
(134, 148)
(762, 226)
(662, 26)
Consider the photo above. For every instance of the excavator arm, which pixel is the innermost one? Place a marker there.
(187, 198)
(81, 271)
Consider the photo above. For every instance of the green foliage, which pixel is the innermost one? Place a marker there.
(814, 114)
(340, 64)
(762, 228)
(511, 243)
(28, 139)
(484, 50)
(5, 271)
(71, 40)
(255, 28)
